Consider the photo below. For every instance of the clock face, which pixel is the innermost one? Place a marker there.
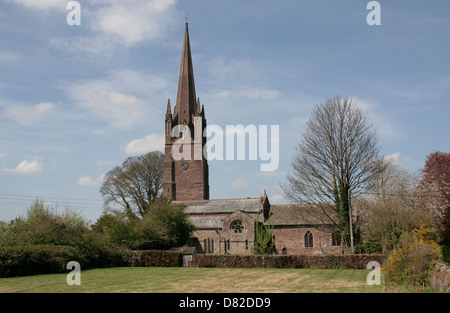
(184, 165)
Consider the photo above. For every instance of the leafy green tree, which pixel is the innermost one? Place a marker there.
(164, 226)
(134, 185)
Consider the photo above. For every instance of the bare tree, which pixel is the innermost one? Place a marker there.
(336, 160)
(136, 184)
(392, 207)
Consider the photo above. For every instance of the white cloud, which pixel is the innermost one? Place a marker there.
(396, 158)
(271, 174)
(277, 199)
(86, 181)
(143, 145)
(113, 23)
(26, 167)
(89, 181)
(257, 93)
(383, 126)
(118, 98)
(42, 4)
(2, 154)
(136, 21)
(28, 115)
(239, 79)
(79, 44)
(8, 56)
(240, 184)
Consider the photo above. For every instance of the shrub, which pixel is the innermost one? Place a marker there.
(42, 226)
(411, 262)
(164, 226)
(26, 242)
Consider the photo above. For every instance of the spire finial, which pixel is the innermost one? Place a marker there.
(169, 109)
(187, 17)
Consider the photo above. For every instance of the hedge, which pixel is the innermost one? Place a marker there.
(346, 261)
(45, 259)
(153, 258)
(35, 259)
(24, 260)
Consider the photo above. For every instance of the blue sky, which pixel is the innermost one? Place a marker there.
(75, 101)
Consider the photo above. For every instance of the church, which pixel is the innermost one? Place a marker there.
(226, 225)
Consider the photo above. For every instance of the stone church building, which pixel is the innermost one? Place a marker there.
(225, 225)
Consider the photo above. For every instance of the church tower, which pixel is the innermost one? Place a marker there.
(185, 178)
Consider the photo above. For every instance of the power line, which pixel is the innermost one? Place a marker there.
(20, 200)
(79, 200)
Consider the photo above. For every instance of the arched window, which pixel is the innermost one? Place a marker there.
(308, 240)
(237, 226)
(335, 239)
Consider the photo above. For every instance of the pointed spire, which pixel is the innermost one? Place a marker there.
(169, 109)
(186, 99)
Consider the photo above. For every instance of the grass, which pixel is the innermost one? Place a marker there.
(202, 280)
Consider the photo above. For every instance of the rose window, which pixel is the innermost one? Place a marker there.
(237, 226)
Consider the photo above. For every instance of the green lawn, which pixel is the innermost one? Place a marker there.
(191, 280)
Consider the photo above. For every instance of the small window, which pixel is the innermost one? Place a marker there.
(308, 240)
(237, 226)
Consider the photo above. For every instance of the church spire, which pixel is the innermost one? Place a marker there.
(186, 178)
(186, 100)
(169, 109)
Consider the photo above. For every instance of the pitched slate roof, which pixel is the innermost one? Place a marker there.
(295, 214)
(222, 206)
(206, 221)
(208, 214)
